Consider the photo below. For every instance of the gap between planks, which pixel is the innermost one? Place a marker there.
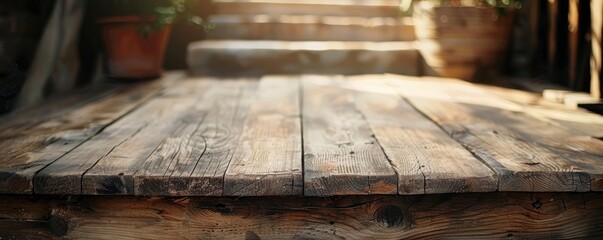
(528, 153)
(34, 144)
(433, 150)
(268, 157)
(341, 155)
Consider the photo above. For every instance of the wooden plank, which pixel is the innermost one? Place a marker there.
(578, 120)
(572, 135)
(596, 59)
(573, 47)
(204, 140)
(25, 230)
(116, 169)
(570, 99)
(64, 176)
(183, 147)
(574, 100)
(54, 107)
(555, 95)
(316, 8)
(39, 137)
(341, 154)
(441, 216)
(221, 130)
(518, 147)
(426, 159)
(268, 159)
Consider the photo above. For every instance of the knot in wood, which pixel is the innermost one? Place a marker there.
(389, 216)
(58, 226)
(222, 208)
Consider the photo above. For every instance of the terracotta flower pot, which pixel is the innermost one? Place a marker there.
(130, 54)
(460, 41)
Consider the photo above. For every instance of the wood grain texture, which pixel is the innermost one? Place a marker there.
(464, 216)
(113, 174)
(567, 141)
(33, 139)
(426, 159)
(512, 143)
(183, 147)
(361, 136)
(124, 143)
(221, 130)
(536, 104)
(203, 139)
(268, 158)
(341, 155)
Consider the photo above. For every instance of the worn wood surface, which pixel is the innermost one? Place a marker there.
(130, 137)
(426, 159)
(529, 154)
(562, 132)
(33, 139)
(341, 154)
(308, 135)
(193, 156)
(207, 178)
(178, 153)
(462, 216)
(579, 121)
(267, 160)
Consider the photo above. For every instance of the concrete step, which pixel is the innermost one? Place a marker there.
(366, 8)
(254, 58)
(311, 28)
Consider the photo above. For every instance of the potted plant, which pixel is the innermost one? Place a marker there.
(463, 39)
(136, 32)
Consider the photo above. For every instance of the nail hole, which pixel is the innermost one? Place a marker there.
(536, 204)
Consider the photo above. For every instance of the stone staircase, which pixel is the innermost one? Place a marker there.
(256, 37)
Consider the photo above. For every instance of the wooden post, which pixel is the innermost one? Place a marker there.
(552, 47)
(558, 41)
(573, 39)
(56, 59)
(535, 39)
(596, 8)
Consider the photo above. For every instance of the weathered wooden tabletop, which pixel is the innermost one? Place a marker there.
(299, 135)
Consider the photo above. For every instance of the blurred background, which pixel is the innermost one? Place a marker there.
(51, 47)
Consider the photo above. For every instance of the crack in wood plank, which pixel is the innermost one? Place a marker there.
(70, 127)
